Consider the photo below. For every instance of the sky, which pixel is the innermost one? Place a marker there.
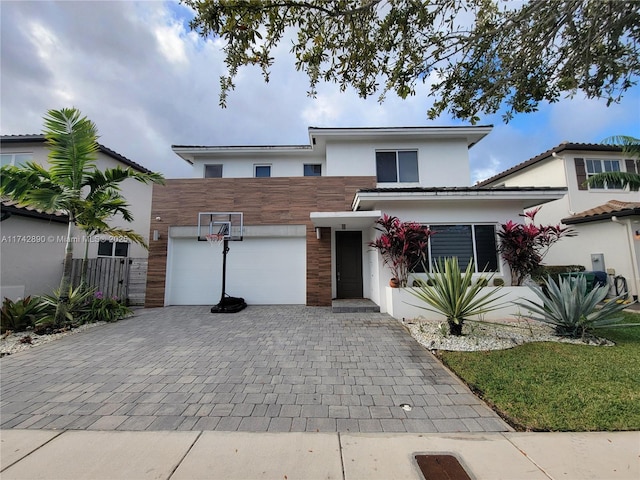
(149, 82)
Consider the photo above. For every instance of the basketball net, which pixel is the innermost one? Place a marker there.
(214, 238)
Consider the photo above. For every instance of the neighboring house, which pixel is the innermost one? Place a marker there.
(33, 243)
(606, 219)
(310, 212)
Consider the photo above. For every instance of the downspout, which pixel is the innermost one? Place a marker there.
(632, 253)
(566, 180)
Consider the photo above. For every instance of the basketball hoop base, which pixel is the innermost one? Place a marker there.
(229, 305)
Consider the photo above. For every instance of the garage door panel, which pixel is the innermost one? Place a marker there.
(261, 270)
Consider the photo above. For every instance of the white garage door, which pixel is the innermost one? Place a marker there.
(263, 271)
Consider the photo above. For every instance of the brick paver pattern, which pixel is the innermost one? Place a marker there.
(267, 368)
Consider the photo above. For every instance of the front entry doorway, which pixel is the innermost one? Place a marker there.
(348, 264)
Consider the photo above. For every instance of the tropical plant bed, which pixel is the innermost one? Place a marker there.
(552, 386)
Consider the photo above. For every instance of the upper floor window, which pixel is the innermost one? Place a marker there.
(113, 249)
(312, 170)
(260, 171)
(397, 166)
(213, 171)
(599, 166)
(15, 159)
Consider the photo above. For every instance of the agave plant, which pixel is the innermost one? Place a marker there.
(571, 308)
(456, 295)
(75, 309)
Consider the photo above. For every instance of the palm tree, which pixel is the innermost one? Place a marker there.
(631, 148)
(70, 184)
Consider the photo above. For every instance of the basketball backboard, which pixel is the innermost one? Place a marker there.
(227, 224)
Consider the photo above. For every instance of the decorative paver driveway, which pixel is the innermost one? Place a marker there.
(267, 368)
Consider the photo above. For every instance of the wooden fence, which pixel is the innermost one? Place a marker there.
(121, 277)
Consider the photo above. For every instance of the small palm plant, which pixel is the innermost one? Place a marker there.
(573, 309)
(456, 295)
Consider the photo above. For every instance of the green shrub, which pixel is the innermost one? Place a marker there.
(17, 316)
(554, 271)
(455, 295)
(101, 309)
(498, 282)
(572, 308)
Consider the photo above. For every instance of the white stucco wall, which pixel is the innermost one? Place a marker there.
(31, 256)
(242, 166)
(547, 173)
(404, 305)
(615, 241)
(440, 162)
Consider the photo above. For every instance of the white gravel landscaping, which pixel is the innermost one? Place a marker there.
(13, 342)
(494, 335)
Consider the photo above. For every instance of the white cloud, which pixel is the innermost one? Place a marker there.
(171, 44)
(490, 167)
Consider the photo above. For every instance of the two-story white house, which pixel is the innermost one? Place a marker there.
(606, 219)
(310, 212)
(33, 243)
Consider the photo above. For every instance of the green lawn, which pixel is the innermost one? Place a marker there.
(560, 387)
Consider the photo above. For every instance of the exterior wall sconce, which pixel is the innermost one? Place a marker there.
(156, 235)
(318, 233)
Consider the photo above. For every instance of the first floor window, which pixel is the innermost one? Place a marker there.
(261, 171)
(15, 159)
(213, 171)
(113, 249)
(600, 166)
(466, 242)
(397, 166)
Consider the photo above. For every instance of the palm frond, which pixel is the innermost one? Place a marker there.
(73, 145)
(630, 145)
(624, 179)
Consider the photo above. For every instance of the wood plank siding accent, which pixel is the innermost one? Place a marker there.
(264, 201)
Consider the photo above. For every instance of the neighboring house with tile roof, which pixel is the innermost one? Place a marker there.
(310, 213)
(607, 219)
(32, 241)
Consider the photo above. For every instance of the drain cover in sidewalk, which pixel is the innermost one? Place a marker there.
(441, 467)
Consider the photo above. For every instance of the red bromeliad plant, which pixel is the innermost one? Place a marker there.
(403, 245)
(523, 246)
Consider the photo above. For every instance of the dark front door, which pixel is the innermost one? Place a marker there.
(349, 264)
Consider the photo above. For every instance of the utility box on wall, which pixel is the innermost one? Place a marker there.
(597, 262)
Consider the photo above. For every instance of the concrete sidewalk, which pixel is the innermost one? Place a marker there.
(175, 455)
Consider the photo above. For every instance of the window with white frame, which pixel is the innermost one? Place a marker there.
(595, 166)
(466, 242)
(15, 159)
(107, 248)
(213, 171)
(397, 166)
(261, 171)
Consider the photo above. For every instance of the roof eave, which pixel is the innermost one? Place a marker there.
(602, 216)
(528, 198)
(38, 138)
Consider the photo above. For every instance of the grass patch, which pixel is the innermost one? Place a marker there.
(560, 387)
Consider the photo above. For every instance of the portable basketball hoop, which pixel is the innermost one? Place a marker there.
(222, 227)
